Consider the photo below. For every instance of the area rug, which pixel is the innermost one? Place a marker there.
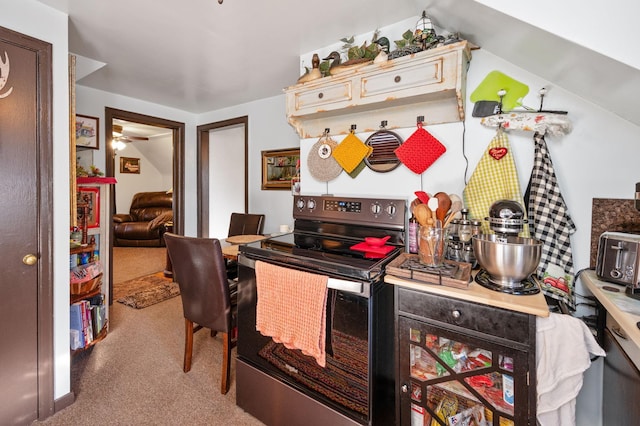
(344, 380)
(145, 291)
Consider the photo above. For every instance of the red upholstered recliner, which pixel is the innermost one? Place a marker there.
(144, 225)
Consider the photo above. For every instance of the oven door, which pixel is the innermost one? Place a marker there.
(349, 382)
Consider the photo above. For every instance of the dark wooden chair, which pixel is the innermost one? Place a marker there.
(246, 224)
(243, 224)
(209, 299)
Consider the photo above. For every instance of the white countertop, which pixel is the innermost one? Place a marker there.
(624, 309)
(534, 304)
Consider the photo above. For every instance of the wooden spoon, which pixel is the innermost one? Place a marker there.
(433, 206)
(413, 205)
(444, 203)
(421, 212)
(456, 206)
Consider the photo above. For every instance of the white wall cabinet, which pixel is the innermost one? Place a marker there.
(429, 84)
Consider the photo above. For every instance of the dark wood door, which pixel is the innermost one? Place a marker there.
(25, 182)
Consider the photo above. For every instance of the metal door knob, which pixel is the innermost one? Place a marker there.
(404, 388)
(456, 314)
(29, 259)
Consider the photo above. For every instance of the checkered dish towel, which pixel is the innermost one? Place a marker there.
(552, 225)
(495, 178)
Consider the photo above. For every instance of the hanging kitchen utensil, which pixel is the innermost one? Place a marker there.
(552, 225)
(322, 166)
(495, 178)
(488, 89)
(420, 150)
(351, 151)
(383, 144)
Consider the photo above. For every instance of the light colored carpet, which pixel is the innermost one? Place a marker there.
(134, 262)
(134, 376)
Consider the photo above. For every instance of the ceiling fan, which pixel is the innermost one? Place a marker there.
(119, 136)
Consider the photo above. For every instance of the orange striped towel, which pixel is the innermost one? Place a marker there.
(291, 308)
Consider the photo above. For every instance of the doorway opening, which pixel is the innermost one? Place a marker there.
(222, 169)
(177, 130)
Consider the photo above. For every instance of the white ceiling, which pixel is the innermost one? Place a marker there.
(199, 56)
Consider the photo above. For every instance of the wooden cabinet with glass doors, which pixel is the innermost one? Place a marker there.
(463, 363)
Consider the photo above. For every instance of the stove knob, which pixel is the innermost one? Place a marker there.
(376, 208)
(311, 204)
(300, 204)
(391, 209)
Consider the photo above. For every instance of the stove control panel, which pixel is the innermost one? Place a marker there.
(365, 211)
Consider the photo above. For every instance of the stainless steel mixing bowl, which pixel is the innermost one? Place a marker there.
(508, 260)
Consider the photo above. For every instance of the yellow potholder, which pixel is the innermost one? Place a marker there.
(351, 152)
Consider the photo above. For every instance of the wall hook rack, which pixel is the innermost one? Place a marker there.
(541, 121)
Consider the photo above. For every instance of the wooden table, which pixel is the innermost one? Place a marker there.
(231, 245)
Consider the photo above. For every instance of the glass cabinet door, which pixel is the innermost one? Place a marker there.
(449, 378)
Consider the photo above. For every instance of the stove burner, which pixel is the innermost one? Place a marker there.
(524, 287)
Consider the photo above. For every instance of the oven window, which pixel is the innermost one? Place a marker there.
(344, 380)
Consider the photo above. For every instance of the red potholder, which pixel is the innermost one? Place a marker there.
(420, 150)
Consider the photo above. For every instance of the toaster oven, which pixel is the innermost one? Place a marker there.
(618, 260)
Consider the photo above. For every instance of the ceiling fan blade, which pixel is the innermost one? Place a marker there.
(137, 138)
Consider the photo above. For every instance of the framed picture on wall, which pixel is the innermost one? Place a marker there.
(129, 165)
(87, 132)
(90, 197)
(279, 168)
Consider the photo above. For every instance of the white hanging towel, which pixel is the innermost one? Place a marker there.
(564, 345)
(549, 222)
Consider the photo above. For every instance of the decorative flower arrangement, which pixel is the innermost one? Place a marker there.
(92, 172)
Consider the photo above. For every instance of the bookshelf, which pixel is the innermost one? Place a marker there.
(89, 266)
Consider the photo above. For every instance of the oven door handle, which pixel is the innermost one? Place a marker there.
(356, 287)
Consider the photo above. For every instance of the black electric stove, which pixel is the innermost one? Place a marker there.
(357, 385)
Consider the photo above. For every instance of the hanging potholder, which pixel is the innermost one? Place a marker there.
(351, 152)
(420, 150)
(322, 166)
(359, 168)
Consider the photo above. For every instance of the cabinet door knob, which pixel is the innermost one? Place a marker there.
(29, 259)
(456, 314)
(397, 79)
(404, 388)
(320, 95)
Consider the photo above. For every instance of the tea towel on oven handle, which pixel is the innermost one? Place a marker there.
(291, 308)
(552, 225)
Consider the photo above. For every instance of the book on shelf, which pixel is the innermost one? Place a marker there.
(98, 317)
(76, 325)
